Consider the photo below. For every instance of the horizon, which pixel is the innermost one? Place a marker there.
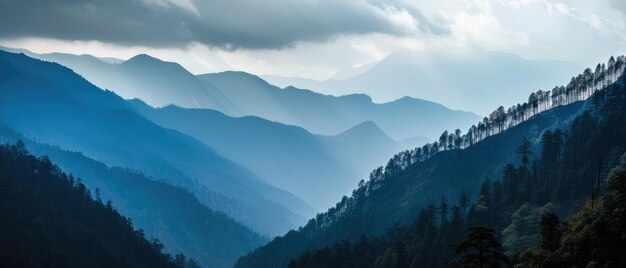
(299, 52)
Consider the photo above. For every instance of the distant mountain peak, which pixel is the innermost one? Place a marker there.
(235, 75)
(365, 129)
(142, 56)
(365, 125)
(152, 62)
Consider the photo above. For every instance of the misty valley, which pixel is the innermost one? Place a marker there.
(312, 134)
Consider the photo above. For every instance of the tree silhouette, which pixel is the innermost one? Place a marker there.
(480, 249)
(524, 150)
(550, 232)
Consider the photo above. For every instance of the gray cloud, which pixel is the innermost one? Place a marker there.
(619, 5)
(218, 23)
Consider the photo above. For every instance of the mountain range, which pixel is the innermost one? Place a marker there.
(475, 80)
(160, 83)
(214, 165)
(56, 106)
(315, 168)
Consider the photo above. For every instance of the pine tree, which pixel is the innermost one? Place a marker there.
(524, 149)
(443, 210)
(480, 249)
(550, 232)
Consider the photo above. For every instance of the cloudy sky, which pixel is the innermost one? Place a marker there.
(312, 39)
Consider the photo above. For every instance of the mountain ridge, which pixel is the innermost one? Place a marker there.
(59, 107)
(292, 158)
(238, 94)
(426, 75)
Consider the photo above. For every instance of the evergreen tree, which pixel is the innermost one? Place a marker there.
(524, 150)
(443, 209)
(550, 232)
(480, 249)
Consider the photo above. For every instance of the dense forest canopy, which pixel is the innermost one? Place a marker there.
(170, 214)
(50, 219)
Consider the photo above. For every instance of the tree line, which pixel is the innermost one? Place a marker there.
(50, 219)
(515, 220)
(588, 84)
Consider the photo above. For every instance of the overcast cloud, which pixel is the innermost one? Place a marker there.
(228, 24)
(313, 39)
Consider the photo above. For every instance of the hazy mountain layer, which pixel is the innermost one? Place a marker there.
(286, 156)
(329, 115)
(54, 105)
(363, 146)
(161, 83)
(474, 80)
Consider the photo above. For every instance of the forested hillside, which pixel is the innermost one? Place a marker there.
(171, 215)
(578, 168)
(456, 165)
(50, 219)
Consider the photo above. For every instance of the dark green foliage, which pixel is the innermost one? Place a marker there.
(524, 149)
(412, 179)
(170, 214)
(480, 249)
(427, 242)
(550, 232)
(559, 181)
(593, 237)
(397, 195)
(49, 219)
(359, 254)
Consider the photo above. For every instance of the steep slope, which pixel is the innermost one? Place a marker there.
(573, 168)
(363, 146)
(49, 220)
(161, 83)
(329, 115)
(395, 193)
(171, 215)
(399, 198)
(286, 156)
(56, 106)
(445, 78)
